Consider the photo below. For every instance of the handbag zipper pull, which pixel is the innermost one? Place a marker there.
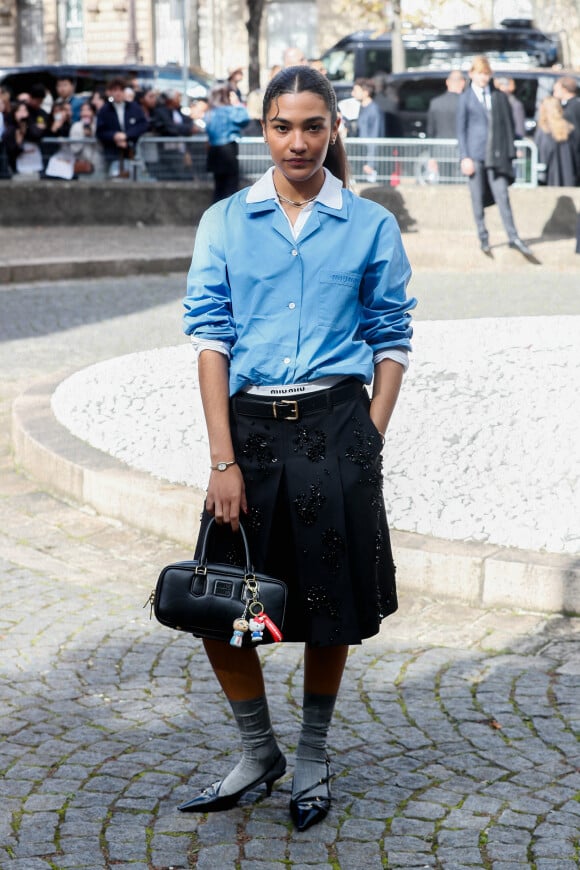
(272, 628)
(150, 601)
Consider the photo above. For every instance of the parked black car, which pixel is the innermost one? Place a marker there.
(19, 78)
(411, 92)
(365, 53)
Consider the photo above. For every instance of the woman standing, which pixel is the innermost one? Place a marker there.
(224, 120)
(557, 147)
(21, 140)
(296, 299)
(84, 145)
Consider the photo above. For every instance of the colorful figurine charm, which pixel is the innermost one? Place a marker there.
(257, 626)
(240, 628)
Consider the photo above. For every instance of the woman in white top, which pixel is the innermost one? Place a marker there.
(87, 153)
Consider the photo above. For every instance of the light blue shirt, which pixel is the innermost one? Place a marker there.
(296, 310)
(224, 124)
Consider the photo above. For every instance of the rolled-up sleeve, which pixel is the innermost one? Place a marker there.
(386, 318)
(208, 308)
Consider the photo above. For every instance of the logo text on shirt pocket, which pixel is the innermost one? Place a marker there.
(351, 279)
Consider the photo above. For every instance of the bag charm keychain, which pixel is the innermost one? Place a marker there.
(272, 628)
(257, 626)
(259, 620)
(240, 628)
(253, 618)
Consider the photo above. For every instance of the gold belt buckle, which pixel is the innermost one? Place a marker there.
(293, 413)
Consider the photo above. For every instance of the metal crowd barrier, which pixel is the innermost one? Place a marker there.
(171, 159)
(393, 161)
(426, 161)
(381, 161)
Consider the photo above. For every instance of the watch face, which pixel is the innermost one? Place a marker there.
(222, 466)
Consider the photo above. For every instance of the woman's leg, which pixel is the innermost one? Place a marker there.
(323, 669)
(239, 673)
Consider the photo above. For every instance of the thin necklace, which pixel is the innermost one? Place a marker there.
(293, 202)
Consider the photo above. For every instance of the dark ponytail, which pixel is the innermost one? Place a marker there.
(336, 161)
(297, 80)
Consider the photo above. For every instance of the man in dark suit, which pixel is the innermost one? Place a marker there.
(119, 124)
(508, 86)
(485, 136)
(442, 114)
(566, 91)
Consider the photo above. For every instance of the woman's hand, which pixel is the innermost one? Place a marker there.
(226, 496)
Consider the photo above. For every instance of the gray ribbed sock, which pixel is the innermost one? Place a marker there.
(311, 750)
(260, 749)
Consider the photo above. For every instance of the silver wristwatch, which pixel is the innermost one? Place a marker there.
(221, 466)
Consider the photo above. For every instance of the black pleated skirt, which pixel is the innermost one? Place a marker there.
(316, 518)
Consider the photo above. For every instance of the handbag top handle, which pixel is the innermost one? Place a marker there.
(203, 555)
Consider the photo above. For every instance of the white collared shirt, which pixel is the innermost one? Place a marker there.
(483, 95)
(330, 194)
(120, 110)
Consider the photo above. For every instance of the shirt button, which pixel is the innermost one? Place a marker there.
(294, 253)
(292, 305)
(286, 360)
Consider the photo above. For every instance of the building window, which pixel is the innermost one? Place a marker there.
(31, 31)
(74, 20)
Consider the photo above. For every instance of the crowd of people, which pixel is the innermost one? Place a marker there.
(485, 116)
(104, 128)
(557, 133)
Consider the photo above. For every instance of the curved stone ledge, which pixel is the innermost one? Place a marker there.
(67, 466)
(476, 574)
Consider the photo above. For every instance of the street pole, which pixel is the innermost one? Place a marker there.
(132, 55)
(185, 41)
(397, 48)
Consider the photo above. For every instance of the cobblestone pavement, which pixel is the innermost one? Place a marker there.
(455, 741)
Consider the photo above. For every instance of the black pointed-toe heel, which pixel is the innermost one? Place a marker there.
(521, 247)
(211, 801)
(307, 811)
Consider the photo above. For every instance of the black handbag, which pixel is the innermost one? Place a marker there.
(207, 598)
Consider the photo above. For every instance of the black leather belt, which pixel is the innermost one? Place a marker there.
(296, 407)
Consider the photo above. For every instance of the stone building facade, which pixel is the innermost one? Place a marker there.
(100, 31)
(114, 31)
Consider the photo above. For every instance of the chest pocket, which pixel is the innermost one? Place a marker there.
(338, 303)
